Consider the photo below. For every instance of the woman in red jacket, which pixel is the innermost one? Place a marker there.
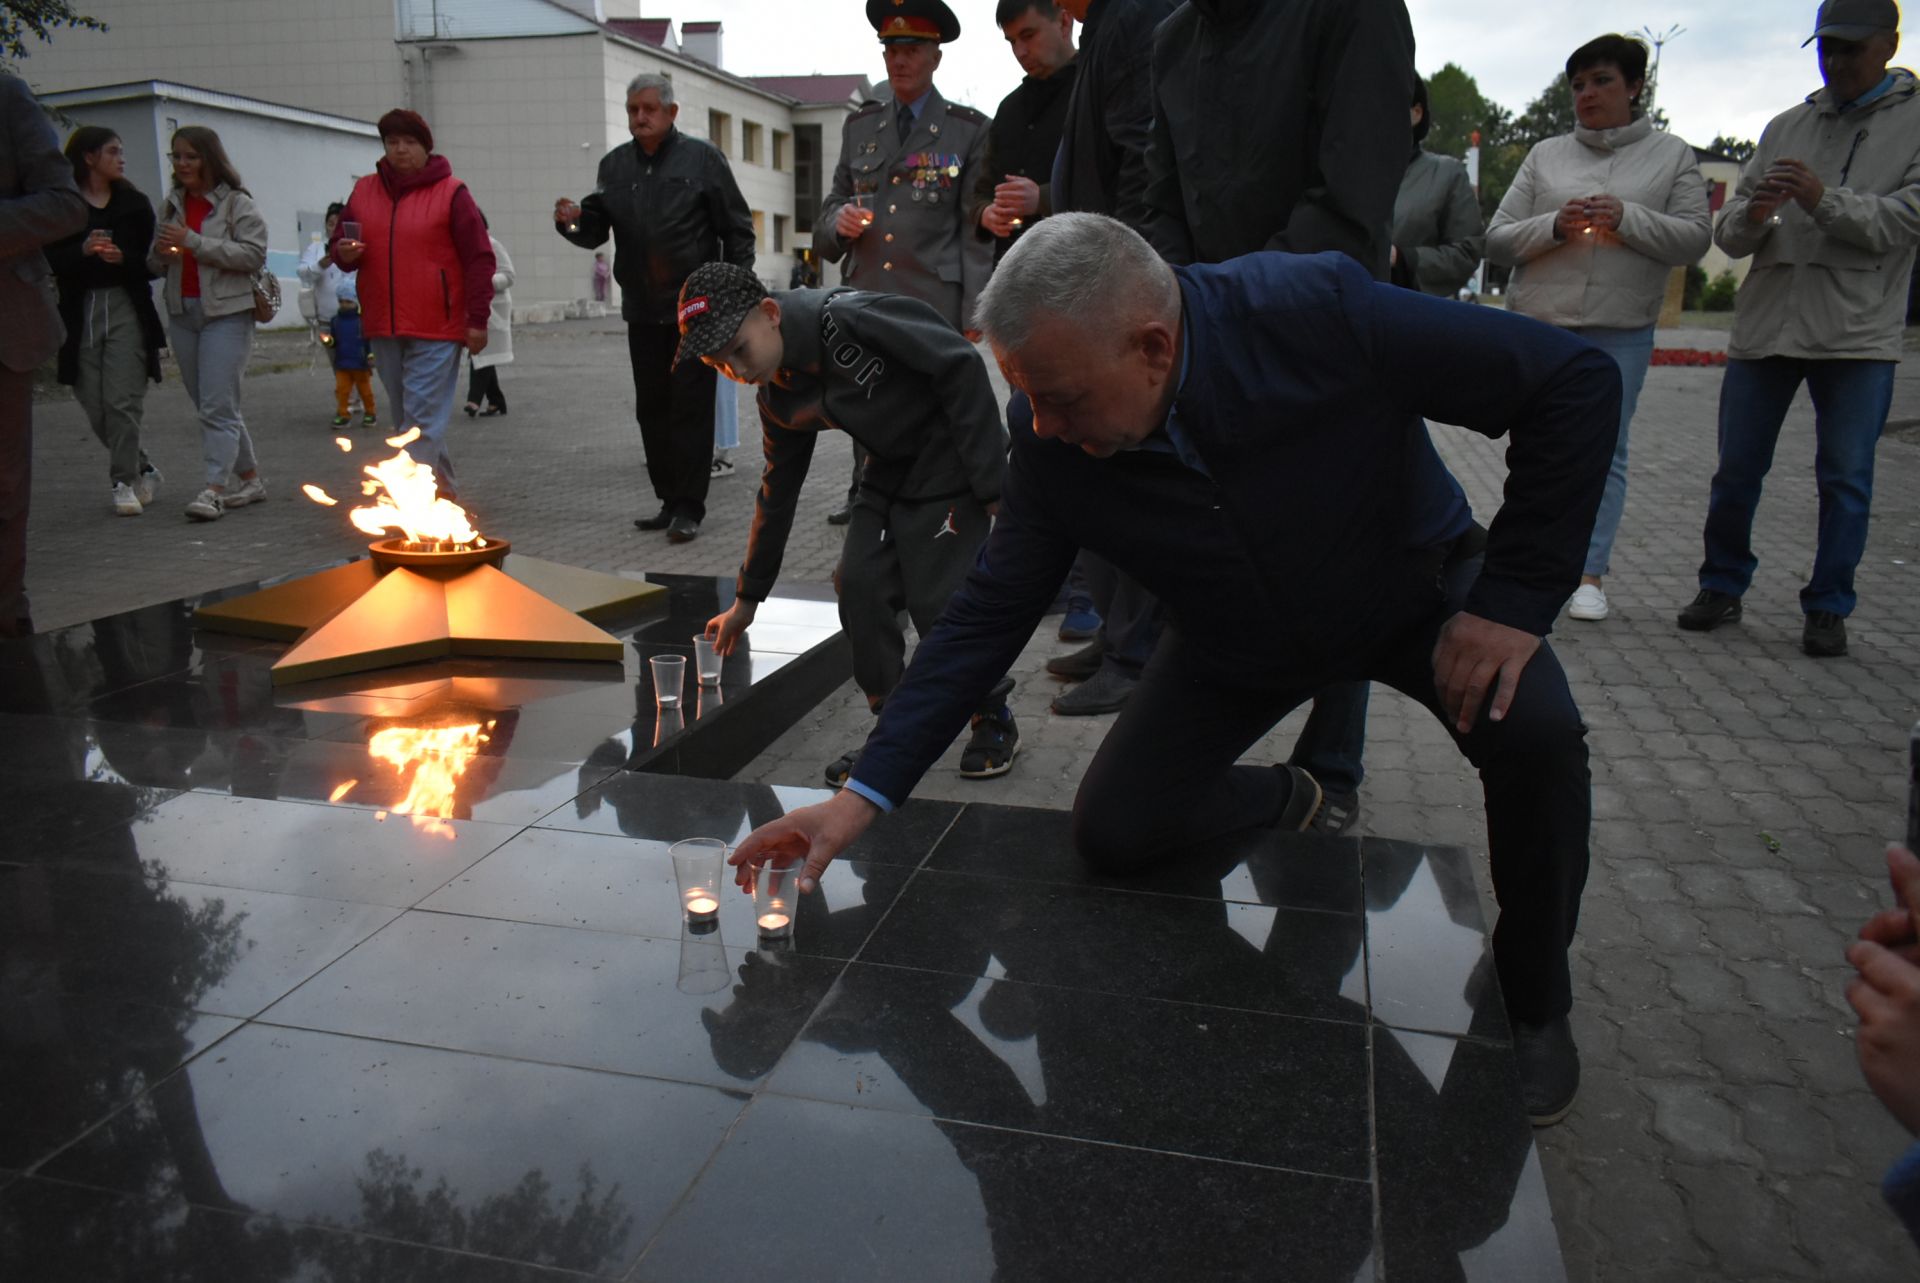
(426, 280)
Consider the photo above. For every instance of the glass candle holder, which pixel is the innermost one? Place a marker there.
(776, 898)
(698, 864)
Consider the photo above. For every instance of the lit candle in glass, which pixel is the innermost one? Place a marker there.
(697, 864)
(774, 888)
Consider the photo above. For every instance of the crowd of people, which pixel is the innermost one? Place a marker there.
(1224, 374)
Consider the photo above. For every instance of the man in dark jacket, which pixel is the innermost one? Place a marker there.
(38, 203)
(1255, 435)
(671, 204)
(1317, 90)
(890, 373)
(1013, 189)
(1101, 168)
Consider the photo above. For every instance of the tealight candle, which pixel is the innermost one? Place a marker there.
(774, 923)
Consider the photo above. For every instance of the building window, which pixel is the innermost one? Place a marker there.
(720, 131)
(750, 143)
(780, 233)
(806, 177)
(759, 230)
(782, 151)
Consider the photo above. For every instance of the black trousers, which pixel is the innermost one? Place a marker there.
(1166, 780)
(483, 385)
(675, 410)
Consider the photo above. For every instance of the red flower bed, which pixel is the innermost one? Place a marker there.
(1687, 356)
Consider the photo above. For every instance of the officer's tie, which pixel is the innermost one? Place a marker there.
(903, 122)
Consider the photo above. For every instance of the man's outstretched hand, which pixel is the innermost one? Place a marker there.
(815, 834)
(1475, 656)
(1886, 994)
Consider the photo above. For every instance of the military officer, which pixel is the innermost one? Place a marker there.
(897, 212)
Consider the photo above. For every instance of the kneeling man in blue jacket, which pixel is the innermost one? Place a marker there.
(1251, 432)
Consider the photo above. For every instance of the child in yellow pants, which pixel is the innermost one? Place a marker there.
(352, 365)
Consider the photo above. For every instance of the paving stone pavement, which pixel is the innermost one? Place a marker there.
(1742, 791)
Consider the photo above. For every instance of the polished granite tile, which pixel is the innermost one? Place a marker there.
(534, 1163)
(66, 1063)
(1286, 961)
(1461, 1192)
(1429, 962)
(592, 999)
(63, 1232)
(46, 817)
(61, 671)
(50, 749)
(1290, 870)
(1205, 1081)
(294, 848)
(914, 1198)
(625, 884)
(237, 694)
(668, 808)
(176, 945)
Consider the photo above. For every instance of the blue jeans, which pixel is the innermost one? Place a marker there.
(726, 416)
(1850, 404)
(213, 356)
(1632, 351)
(422, 377)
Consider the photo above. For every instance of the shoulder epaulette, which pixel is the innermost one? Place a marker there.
(871, 104)
(968, 113)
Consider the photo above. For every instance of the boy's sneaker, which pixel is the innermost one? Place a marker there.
(996, 740)
(125, 501)
(722, 466)
(208, 505)
(841, 767)
(370, 421)
(252, 490)
(341, 420)
(148, 485)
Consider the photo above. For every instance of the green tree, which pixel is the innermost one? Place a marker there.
(1458, 109)
(20, 19)
(1740, 149)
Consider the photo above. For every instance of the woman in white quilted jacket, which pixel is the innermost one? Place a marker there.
(1594, 223)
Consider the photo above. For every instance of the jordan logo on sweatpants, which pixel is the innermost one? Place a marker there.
(946, 527)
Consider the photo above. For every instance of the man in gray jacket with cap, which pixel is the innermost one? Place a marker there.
(1829, 208)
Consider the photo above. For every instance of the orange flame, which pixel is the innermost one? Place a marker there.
(405, 499)
(430, 760)
(319, 496)
(346, 446)
(342, 791)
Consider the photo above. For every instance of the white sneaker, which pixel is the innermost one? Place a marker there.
(148, 485)
(125, 501)
(253, 490)
(206, 506)
(1588, 603)
(722, 466)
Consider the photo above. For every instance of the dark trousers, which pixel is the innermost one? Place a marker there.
(16, 485)
(484, 386)
(901, 556)
(1130, 617)
(1166, 780)
(675, 410)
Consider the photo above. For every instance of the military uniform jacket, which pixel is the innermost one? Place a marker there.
(921, 243)
(891, 374)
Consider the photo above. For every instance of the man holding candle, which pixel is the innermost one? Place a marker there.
(1013, 190)
(1252, 431)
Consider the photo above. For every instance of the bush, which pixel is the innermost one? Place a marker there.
(1718, 295)
(1696, 285)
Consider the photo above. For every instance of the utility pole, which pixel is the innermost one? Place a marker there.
(1658, 39)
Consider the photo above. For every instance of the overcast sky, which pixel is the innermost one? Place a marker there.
(1735, 67)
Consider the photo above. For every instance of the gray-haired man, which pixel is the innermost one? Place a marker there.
(671, 204)
(1251, 430)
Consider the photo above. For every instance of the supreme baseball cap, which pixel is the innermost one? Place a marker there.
(713, 302)
(1854, 19)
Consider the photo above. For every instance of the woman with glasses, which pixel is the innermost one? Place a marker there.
(211, 242)
(113, 331)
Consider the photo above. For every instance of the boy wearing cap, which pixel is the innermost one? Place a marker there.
(893, 375)
(1830, 211)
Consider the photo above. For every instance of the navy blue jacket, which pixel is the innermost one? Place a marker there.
(1312, 540)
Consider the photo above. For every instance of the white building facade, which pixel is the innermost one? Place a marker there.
(523, 96)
